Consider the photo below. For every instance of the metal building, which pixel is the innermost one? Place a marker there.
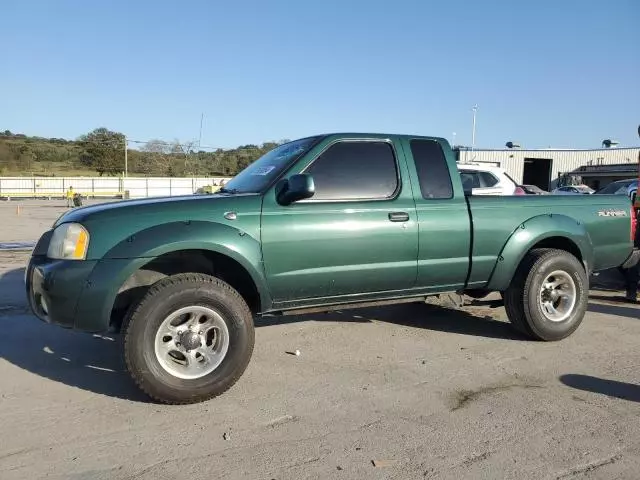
(544, 167)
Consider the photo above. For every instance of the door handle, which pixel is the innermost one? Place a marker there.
(399, 216)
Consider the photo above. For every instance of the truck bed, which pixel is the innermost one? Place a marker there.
(604, 218)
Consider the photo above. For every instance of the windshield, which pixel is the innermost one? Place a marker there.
(512, 180)
(261, 173)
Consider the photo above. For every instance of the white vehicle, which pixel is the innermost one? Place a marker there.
(487, 179)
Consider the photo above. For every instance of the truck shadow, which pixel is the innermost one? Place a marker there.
(89, 362)
(609, 305)
(470, 321)
(94, 362)
(610, 388)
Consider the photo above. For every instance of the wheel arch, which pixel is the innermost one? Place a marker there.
(181, 247)
(211, 262)
(546, 231)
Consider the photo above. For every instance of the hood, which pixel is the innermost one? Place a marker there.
(110, 223)
(185, 204)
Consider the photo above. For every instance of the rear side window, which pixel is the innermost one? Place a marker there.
(488, 180)
(469, 180)
(355, 171)
(433, 173)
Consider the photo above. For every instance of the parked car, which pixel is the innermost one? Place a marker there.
(627, 187)
(484, 179)
(573, 190)
(317, 224)
(533, 190)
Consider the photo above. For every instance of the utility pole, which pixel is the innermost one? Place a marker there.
(126, 161)
(199, 141)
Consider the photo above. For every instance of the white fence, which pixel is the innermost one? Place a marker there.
(137, 187)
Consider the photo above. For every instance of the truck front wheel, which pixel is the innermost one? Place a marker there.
(190, 339)
(548, 296)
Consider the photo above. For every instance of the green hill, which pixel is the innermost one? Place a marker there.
(101, 152)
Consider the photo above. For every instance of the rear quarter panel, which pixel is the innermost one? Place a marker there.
(603, 238)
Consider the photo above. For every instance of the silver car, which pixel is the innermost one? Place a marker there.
(573, 190)
(627, 187)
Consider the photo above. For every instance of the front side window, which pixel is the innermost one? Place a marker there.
(353, 170)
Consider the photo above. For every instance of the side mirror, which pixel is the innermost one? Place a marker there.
(295, 188)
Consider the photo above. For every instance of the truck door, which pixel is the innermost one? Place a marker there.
(444, 226)
(358, 234)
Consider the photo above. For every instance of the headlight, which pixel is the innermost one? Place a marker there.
(69, 242)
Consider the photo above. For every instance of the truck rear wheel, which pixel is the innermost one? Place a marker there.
(190, 339)
(548, 296)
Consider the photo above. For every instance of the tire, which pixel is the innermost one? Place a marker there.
(167, 366)
(527, 305)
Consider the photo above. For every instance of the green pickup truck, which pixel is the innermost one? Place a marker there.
(324, 222)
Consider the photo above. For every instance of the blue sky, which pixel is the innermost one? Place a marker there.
(544, 73)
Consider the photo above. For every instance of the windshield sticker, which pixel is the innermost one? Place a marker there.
(264, 170)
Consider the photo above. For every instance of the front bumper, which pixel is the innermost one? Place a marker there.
(77, 294)
(633, 260)
(54, 288)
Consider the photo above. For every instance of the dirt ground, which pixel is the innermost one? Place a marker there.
(402, 392)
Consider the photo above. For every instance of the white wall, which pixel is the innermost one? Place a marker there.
(562, 161)
(103, 186)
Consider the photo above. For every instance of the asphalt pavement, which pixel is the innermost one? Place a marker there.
(411, 391)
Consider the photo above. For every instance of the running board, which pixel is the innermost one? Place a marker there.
(350, 306)
(446, 299)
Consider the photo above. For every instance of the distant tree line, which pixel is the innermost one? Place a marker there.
(103, 152)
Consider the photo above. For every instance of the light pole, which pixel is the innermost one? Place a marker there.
(473, 128)
(126, 160)
(453, 144)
